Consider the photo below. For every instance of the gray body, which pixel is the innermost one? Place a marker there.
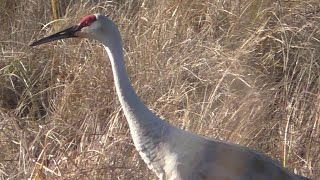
(179, 155)
(175, 154)
(172, 153)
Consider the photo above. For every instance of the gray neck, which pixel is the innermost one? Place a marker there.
(147, 130)
(140, 119)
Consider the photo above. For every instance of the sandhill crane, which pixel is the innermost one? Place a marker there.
(170, 152)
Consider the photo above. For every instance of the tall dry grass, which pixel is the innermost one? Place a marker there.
(242, 71)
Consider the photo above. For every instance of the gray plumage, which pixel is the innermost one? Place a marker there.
(172, 153)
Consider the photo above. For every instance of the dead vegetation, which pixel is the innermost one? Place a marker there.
(242, 71)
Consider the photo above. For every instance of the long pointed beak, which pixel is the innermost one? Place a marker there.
(67, 33)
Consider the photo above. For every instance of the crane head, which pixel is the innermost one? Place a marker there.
(94, 26)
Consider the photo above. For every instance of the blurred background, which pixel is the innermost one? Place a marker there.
(243, 71)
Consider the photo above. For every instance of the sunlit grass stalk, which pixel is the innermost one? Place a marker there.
(54, 12)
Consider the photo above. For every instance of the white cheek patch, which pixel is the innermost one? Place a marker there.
(89, 31)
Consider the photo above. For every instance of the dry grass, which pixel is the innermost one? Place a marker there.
(242, 71)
